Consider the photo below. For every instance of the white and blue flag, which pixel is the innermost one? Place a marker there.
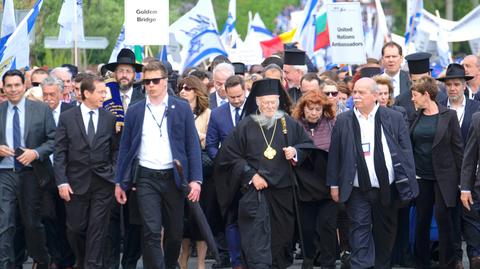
(414, 16)
(119, 45)
(71, 25)
(229, 35)
(202, 46)
(8, 22)
(15, 52)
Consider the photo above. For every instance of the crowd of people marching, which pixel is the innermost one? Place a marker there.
(373, 165)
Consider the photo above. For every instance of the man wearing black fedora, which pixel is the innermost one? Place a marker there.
(123, 93)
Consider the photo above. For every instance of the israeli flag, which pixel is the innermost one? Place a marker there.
(8, 22)
(229, 34)
(71, 23)
(15, 52)
(414, 15)
(202, 46)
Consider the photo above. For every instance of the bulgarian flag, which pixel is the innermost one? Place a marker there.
(275, 44)
(321, 32)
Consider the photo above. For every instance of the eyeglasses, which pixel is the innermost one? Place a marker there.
(333, 94)
(186, 88)
(154, 80)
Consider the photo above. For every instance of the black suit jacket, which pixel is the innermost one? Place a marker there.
(447, 153)
(39, 135)
(471, 106)
(470, 179)
(342, 164)
(75, 161)
(213, 100)
(137, 94)
(65, 106)
(405, 82)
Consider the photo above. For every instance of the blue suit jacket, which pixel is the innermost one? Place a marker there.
(342, 162)
(184, 142)
(219, 127)
(471, 106)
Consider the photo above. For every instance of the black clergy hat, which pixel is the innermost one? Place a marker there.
(455, 71)
(368, 72)
(262, 87)
(418, 63)
(240, 68)
(125, 56)
(273, 60)
(295, 57)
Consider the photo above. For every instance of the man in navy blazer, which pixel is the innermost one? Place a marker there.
(220, 74)
(222, 121)
(157, 131)
(370, 173)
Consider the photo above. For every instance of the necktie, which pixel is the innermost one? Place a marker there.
(379, 162)
(17, 136)
(237, 115)
(91, 129)
(124, 102)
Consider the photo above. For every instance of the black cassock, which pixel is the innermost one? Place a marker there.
(266, 218)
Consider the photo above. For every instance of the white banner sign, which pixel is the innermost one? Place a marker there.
(345, 28)
(146, 22)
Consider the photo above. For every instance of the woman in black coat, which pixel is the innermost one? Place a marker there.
(437, 149)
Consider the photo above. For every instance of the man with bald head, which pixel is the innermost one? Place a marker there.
(471, 63)
(378, 174)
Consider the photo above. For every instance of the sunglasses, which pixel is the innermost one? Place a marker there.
(186, 88)
(154, 80)
(334, 94)
(36, 84)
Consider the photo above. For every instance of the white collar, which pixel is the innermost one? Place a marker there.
(372, 113)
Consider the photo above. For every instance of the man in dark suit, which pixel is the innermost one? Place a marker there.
(221, 72)
(392, 58)
(86, 147)
(472, 68)
(26, 140)
(418, 66)
(470, 193)
(124, 70)
(222, 121)
(53, 209)
(157, 131)
(382, 155)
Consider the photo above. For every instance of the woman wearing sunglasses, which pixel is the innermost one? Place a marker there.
(329, 88)
(194, 91)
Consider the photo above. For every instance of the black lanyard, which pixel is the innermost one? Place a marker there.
(161, 121)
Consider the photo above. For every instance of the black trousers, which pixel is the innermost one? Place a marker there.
(161, 204)
(87, 222)
(431, 198)
(126, 239)
(54, 219)
(372, 229)
(319, 222)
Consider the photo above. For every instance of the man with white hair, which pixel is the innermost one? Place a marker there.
(471, 63)
(54, 217)
(374, 177)
(64, 75)
(221, 73)
(294, 68)
(258, 155)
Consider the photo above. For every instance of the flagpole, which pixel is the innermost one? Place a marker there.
(75, 45)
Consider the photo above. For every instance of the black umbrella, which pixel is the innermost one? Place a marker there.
(198, 215)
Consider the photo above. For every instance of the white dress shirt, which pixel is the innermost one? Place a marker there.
(367, 131)
(220, 100)
(155, 152)
(86, 116)
(232, 112)
(460, 110)
(395, 83)
(56, 113)
(127, 98)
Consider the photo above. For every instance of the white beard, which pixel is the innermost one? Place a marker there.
(266, 121)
